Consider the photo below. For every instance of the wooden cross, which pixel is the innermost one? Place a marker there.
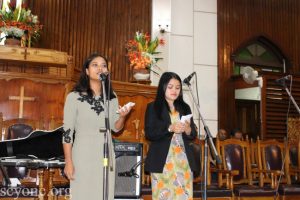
(21, 98)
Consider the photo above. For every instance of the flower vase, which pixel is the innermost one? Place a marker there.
(12, 41)
(141, 74)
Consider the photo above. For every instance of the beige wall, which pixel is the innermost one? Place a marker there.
(192, 46)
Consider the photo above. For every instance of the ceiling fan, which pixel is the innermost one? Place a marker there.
(250, 76)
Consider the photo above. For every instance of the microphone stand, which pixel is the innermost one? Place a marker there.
(291, 96)
(208, 140)
(107, 135)
(283, 84)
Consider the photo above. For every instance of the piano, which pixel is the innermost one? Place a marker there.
(39, 144)
(43, 150)
(39, 150)
(31, 163)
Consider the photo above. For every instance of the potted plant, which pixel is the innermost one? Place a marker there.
(141, 53)
(19, 23)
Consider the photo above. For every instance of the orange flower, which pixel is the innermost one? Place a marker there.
(169, 166)
(147, 37)
(160, 185)
(177, 150)
(187, 175)
(145, 48)
(179, 191)
(188, 186)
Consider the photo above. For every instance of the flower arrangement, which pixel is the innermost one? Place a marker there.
(18, 22)
(141, 51)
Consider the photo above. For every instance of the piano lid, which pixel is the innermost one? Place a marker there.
(39, 143)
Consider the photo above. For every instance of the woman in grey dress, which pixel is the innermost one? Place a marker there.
(82, 139)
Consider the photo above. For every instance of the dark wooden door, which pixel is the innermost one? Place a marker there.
(248, 117)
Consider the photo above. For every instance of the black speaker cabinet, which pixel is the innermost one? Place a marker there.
(128, 179)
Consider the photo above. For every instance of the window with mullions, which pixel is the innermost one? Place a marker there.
(260, 55)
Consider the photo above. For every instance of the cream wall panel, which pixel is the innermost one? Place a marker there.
(205, 5)
(182, 17)
(205, 39)
(181, 55)
(212, 126)
(208, 90)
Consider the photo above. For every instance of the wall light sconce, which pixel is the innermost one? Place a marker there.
(163, 29)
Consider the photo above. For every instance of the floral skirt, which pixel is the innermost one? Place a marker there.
(176, 181)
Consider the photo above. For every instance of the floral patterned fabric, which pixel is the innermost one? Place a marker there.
(176, 181)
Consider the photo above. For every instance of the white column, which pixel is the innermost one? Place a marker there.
(192, 46)
(205, 60)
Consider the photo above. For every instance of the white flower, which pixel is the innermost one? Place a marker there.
(35, 19)
(12, 31)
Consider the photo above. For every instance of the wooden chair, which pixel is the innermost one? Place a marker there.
(271, 159)
(19, 128)
(198, 149)
(5, 124)
(28, 188)
(254, 159)
(274, 157)
(294, 161)
(236, 158)
(23, 192)
(291, 190)
(213, 191)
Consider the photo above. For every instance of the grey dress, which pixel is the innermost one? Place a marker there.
(83, 118)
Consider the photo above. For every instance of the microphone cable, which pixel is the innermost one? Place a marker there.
(132, 171)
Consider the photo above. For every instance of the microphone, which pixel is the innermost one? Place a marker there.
(282, 80)
(103, 76)
(188, 79)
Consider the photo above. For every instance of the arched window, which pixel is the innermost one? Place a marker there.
(260, 54)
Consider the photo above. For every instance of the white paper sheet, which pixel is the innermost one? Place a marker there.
(186, 118)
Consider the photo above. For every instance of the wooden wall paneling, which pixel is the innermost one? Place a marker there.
(140, 95)
(81, 27)
(35, 63)
(48, 99)
(48, 91)
(71, 33)
(239, 21)
(92, 19)
(81, 31)
(44, 76)
(276, 107)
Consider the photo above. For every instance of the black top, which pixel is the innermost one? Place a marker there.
(156, 131)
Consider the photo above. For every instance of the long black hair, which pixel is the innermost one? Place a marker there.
(160, 101)
(83, 84)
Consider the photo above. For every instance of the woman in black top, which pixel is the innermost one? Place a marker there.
(170, 157)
